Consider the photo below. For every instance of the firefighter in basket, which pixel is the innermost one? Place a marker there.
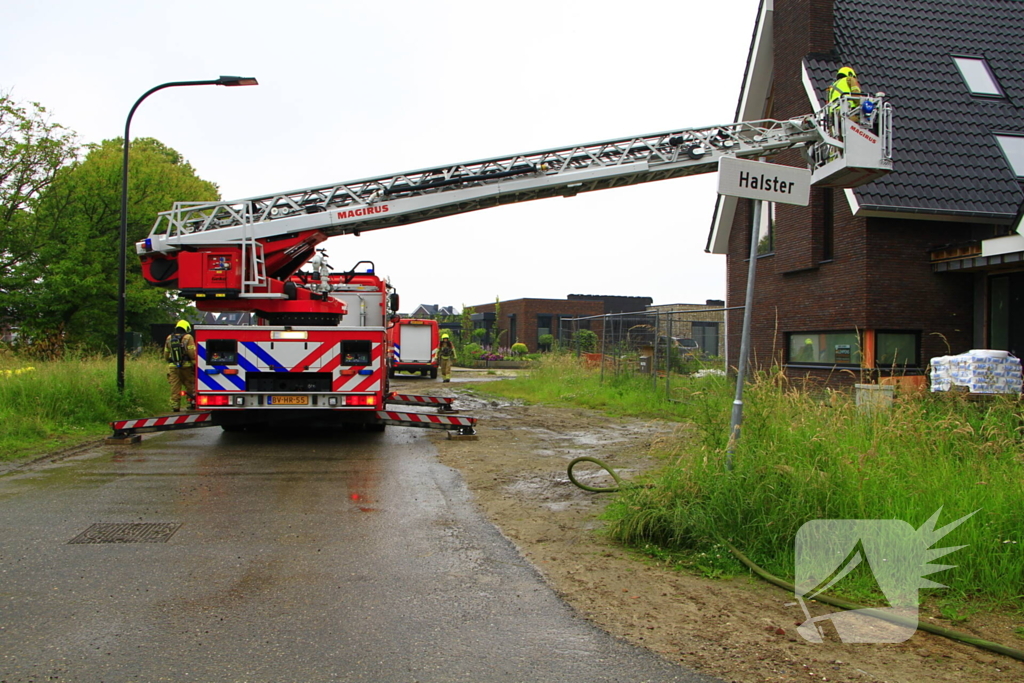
(445, 356)
(846, 84)
(180, 354)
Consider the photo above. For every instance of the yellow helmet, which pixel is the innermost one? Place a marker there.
(846, 72)
(444, 336)
(185, 325)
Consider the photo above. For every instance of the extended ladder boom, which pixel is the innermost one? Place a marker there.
(415, 196)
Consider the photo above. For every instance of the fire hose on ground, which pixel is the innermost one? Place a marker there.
(836, 602)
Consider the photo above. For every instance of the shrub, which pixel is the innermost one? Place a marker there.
(472, 351)
(585, 341)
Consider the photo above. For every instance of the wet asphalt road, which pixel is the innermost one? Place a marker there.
(327, 557)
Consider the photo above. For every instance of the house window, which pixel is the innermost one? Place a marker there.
(706, 336)
(896, 349)
(1013, 148)
(824, 348)
(999, 312)
(978, 76)
(765, 228)
(543, 326)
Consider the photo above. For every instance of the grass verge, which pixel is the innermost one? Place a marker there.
(49, 405)
(809, 455)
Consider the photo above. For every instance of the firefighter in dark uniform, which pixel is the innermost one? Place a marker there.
(445, 355)
(180, 354)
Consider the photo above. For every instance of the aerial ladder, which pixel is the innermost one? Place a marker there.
(246, 254)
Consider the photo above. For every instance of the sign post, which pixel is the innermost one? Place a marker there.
(760, 182)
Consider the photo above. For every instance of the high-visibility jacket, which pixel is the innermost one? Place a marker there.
(843, 86)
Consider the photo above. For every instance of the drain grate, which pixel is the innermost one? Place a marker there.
(143, 532)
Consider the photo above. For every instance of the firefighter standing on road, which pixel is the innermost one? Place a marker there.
(445, 355)
(180, 354)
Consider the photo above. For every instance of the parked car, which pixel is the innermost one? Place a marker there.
(689, 348)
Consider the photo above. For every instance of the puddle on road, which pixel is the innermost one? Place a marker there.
(554, 490)
(589, 439)
(467, 402)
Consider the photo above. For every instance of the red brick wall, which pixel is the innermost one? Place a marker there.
(801, 26)
(904, 293)
(527, 310)
(879, 277)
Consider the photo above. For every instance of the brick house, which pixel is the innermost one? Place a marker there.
(924, 262)
(526, 320)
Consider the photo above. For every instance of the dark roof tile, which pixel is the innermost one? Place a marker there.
(945, 157)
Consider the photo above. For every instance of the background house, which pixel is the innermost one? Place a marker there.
(527, 320)
(429, 311)
(704, 323)
(924, 262)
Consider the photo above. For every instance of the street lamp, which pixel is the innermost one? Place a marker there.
(122, 272)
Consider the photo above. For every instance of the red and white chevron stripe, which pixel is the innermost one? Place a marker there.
(358, 382)
(165, 420)
(426, 419)
(413, 399)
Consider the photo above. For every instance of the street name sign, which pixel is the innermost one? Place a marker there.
(770, 182)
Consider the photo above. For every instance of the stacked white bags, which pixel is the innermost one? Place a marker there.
(982, 371)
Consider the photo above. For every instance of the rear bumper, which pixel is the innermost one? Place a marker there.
(413, 367)
(270, 402)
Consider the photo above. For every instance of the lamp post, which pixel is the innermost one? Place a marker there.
(122, 271)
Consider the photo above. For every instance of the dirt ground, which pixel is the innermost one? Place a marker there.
(740, 629)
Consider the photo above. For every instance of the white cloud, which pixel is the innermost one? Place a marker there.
(354, 89)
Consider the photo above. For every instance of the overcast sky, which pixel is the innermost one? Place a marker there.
(350, 90)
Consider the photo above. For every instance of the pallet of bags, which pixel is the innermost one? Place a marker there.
(981, 371)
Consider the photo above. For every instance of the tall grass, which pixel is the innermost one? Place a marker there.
(52, 404)
(564, 379)
(814, 455)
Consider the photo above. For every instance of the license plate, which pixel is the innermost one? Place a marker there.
(288, 400)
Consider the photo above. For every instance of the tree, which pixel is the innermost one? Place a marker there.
(32, 150)
(466, 323)
(79, 213)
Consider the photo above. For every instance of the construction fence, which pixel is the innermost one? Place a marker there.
(661, 340)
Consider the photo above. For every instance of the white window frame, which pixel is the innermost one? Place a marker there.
(978, 76)
(1012, 145)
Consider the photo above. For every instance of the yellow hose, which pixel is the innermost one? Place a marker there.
(595, 489)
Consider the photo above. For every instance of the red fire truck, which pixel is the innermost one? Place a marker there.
(414, 346)
(320, 346)
(293, 369)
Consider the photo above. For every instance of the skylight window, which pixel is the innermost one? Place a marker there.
(978, 76)
(1013, 148)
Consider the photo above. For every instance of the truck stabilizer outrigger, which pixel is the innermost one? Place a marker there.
(445, 418)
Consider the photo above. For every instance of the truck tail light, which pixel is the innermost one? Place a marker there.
(361, 400)
(213, 400)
